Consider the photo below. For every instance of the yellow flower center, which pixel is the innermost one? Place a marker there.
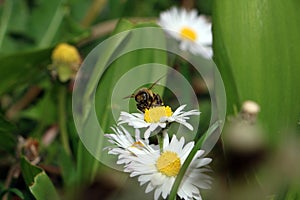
(154, 114)
(65, 53)
(188, 33)
(168, 163)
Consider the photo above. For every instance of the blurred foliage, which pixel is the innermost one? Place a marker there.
(259, 64)
(8, 141)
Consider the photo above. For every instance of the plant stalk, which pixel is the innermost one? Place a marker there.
(62, 118)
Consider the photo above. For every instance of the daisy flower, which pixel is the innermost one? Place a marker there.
(126, 145)
(160, 170)
(157, 117)
(193, 31)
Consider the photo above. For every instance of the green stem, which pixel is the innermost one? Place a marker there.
(7, 9)
(160, 141)
(94, 10)
(62, 118)
(189, 159)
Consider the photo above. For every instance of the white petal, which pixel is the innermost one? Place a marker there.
(189, 126)
(157, 179)
(157, 193)
(203, 162)
(179, 109)
(166, 142)
(167, 186)
(149, 188)
(144, 178)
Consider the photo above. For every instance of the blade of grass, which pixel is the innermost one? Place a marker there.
(7, 10)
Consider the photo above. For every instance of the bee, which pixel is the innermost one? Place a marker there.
(145, 98)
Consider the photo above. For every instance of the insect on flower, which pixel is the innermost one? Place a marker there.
(146, 98)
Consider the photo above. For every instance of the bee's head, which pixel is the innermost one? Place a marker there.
(143, 95)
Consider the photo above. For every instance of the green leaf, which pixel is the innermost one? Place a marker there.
(13, 27)
(12, 190)
(84, 116)
(29, 171)
(52, 22)
(106, 106)
(67, 167)
(44, 111)
(6, 126)
(5, 18)
(256, 45)
(70, 30)
(38, 182)
(39, 24)
(8, 140)
(86, 163)
(45, 21)
(79, 8)
(21, 68)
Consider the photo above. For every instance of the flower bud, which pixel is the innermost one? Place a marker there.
(65, 61)
(249, 111)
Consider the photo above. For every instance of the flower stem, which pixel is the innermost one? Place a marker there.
(94, 10)
(160, 140)
(160, 137)
(62, 118)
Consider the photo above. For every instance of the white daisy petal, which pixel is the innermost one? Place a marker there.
(126, 147)
(137, 120)
(183, 122)
(145, 178)
(149, 188)
(159, 170)
(167, 186)
(178, 110)
(165, 142)
(186, 150)
(157, 193)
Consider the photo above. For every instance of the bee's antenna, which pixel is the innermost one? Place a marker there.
(130, 96)
(156, 82)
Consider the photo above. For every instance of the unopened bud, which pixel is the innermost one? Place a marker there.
(249, 110)
(66, 54)
(65, 61)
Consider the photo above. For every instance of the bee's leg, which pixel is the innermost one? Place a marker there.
(141, 107)
(157, 100)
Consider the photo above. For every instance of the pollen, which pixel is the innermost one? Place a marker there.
(188, 33)
(168, 163)
(66, 54)
(154, 114)
(138, 145)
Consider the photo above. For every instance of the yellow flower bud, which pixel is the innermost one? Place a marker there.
(65, 53)
(65, 61)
